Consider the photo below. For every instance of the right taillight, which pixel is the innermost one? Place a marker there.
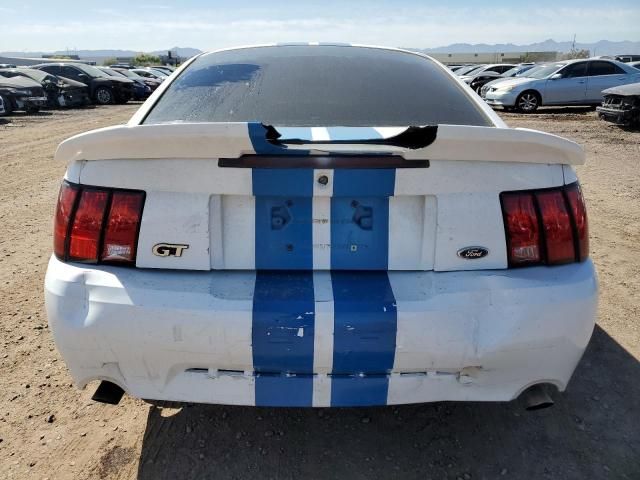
(545, 227)
(97, 225)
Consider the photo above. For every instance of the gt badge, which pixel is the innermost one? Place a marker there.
(472, 253)
(168, 249)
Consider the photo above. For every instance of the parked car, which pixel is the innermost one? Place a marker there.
(103, 89)
(21, 93)
(481, 79)
(415, 253)
(621, 105)
(121, 65)
(152, 83)
(7, 65)
(150, 73)
(627, 58)
(522, 70)
(60, 91)
(575, 82)
(164, 69)
(491, 69)
(141, 90)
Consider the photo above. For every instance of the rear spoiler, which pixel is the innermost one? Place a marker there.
(232, 140)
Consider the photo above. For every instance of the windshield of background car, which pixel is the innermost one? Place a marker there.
(474, 71)
(464, 70)
(91, 71)
(129, 74)
(545, 71)
(316, 86)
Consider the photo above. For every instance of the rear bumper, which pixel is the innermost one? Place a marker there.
(187, 336)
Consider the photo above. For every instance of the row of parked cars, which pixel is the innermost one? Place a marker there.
(70, 84)
(610, 84)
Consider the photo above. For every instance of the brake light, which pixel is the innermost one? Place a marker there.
(545, 226)
(97, 225)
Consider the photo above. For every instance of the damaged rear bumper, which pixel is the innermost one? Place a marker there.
(194, 336)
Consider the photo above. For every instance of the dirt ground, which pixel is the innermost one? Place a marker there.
(48, 429)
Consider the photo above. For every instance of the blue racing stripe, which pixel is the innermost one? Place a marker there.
(282, 338)
(360, 218)
(365, 325)
(283, 209)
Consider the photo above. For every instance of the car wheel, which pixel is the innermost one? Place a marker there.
(528, 102)
(103, 96)
(7, 105)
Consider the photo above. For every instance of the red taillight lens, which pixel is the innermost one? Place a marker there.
(122, 227)
(545, 226)
(523, 233)
(579, 211)
(87, 225)
(557, 228)
(97, 224)
(66, 202)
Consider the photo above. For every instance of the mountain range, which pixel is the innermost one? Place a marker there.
(602, 47)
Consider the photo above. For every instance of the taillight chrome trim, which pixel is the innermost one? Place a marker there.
(79, 190)
(580, 248)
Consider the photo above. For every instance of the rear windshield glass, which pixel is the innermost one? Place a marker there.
(316, 86)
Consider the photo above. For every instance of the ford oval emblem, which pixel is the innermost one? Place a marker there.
(473, 253)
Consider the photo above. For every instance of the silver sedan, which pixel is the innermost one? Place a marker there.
(574, 82)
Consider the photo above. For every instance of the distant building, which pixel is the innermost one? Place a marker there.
(496, 57)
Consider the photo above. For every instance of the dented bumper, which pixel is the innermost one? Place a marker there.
(336, 340)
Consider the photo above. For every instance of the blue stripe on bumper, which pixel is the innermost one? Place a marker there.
(283, 338)
(365, 325)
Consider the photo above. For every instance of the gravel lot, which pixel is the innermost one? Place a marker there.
(48, 429)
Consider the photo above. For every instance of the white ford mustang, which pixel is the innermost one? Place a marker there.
(319, 225)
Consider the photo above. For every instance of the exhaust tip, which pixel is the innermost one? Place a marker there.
(108, 392)
(536, 398)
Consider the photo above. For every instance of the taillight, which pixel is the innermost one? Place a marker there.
(579, 211)
(97, 225)
(545, 226)
(66, 203)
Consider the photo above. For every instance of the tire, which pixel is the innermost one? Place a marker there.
(32, 110)
(528, 102)
(103, 96)
(8, 109)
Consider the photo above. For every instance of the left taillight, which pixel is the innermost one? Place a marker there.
(97, 225)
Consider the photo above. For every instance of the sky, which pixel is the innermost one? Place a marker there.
(45, 25)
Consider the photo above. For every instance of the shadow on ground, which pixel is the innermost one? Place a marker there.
(592, 432)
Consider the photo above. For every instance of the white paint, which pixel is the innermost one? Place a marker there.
(238, 238)
(176, 218)
(323, 337)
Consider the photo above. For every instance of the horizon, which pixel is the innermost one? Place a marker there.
(149, 25)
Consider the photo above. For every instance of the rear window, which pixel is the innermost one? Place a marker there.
(316, 86)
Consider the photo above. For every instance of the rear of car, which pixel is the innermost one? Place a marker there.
(320, 225)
